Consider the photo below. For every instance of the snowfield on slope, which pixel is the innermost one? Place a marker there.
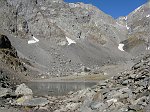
(120, 47)
(70, 41)
(33, 40)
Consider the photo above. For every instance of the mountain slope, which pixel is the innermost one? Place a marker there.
(59, 38)
(96, 35)
(137, 22)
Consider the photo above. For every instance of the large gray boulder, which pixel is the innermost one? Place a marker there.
(4, 91)
(22, 89)
(35, 102)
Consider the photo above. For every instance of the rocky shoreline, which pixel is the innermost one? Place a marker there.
(127, 92)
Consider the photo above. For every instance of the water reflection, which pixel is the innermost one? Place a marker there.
(57, 88)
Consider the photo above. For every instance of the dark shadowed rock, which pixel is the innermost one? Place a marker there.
(4, 42)
(6, 47)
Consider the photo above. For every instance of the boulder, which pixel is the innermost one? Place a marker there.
(72, 106)
(22, 99)
(98, 105)
(4, 92)
(35, 102)
(85, 69)
(4, 42)
(22, 89)
(86, 109)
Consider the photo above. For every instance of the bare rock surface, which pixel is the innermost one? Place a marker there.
(126, 92)
(35, 102)
(3, 91)
(41, 39)
(54, 24)
(22, 89)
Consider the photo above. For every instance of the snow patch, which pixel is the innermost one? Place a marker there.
(73, 5)
(33, 40)
(112, 100)
(70, 41)
(125, 18)
(136, 9)
(127, 27)
(120, 47)
(148, 15)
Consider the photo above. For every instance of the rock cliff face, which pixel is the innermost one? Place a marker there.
(58, 38)
(11, 67)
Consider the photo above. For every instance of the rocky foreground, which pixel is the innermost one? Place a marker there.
(127, 92)
(42, 39)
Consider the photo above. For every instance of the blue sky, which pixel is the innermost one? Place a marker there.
(115, 8)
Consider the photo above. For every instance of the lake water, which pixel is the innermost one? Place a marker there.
(57, 88)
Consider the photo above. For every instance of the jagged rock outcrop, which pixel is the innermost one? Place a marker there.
(11, 66)
(6, 47)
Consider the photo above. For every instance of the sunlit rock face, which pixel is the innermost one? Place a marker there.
(92, 35)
